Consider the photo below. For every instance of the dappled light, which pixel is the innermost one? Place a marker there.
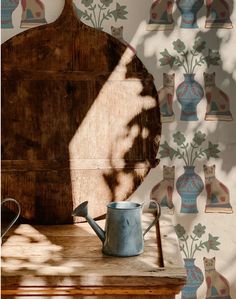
(36, 253)
(217, 131)
(68, 258)
(149, 51)
(109, 119)
(122, 123)
(122, 117)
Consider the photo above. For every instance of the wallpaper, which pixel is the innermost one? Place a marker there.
(189, 47)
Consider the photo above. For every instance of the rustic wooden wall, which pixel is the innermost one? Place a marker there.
(80, 120)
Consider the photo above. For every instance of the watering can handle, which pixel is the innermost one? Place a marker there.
(156, 218)
(15, 218)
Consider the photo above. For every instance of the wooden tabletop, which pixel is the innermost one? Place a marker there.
(67, 260)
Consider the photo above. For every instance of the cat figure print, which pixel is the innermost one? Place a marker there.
(218, 102)
(218, 195)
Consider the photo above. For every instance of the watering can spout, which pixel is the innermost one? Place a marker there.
(82, 211)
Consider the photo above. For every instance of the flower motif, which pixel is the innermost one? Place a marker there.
(106, 2)
(190, 248)
(189, 153)
(212, 150)
(119, 12)
(190, 59)
(199, 137)
(179, 138)
(87, 3)
(199, 44)
(212, 243)
(199, 230)
(167, 59)
(167, 151)
(179, 46)
(180, 231)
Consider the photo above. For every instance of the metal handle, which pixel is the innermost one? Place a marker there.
(156, 218)
(15, 218)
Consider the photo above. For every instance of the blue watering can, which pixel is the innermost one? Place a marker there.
(8, 218)
(123, 235)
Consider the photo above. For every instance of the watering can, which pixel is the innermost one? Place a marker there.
(7, 217)
(123, 235)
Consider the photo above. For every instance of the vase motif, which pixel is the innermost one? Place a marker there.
(194, 279)
(7, 8)
(189, 93)
(189, 10)
(189, 185)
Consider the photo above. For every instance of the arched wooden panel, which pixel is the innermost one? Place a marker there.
(80, 120)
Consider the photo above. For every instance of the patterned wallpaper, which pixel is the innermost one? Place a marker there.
(189, 47)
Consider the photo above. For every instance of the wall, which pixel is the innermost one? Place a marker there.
(211, 231)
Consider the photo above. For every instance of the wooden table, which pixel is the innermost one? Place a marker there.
(66, 262)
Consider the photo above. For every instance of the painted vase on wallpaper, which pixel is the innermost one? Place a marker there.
(161, 15)
(218, 14)
(96, 14)
(33, 13)
(189, 10)
(7, 8)
(189, 89)
(189, 92)
(189, 185)
(189, 245)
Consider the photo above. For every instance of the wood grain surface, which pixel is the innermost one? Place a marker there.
(80, 120)
(66, 260)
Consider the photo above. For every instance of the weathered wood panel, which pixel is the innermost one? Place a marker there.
(80, 120)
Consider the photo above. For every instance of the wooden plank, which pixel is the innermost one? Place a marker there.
(97, 297)
(169, 242)
(86, 164)
(72, 75)
(130, 296)
(79, 291)
(48, 260)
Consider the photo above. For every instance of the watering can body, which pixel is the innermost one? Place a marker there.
(123, 235)
(123, 230)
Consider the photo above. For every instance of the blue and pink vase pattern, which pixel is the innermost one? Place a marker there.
(194, 279)
(7, 8)
(189, 10)
(189, 186)
(189, 93)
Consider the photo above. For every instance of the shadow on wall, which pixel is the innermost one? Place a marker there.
(151, 51)
(215, 110)
(138, 131)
